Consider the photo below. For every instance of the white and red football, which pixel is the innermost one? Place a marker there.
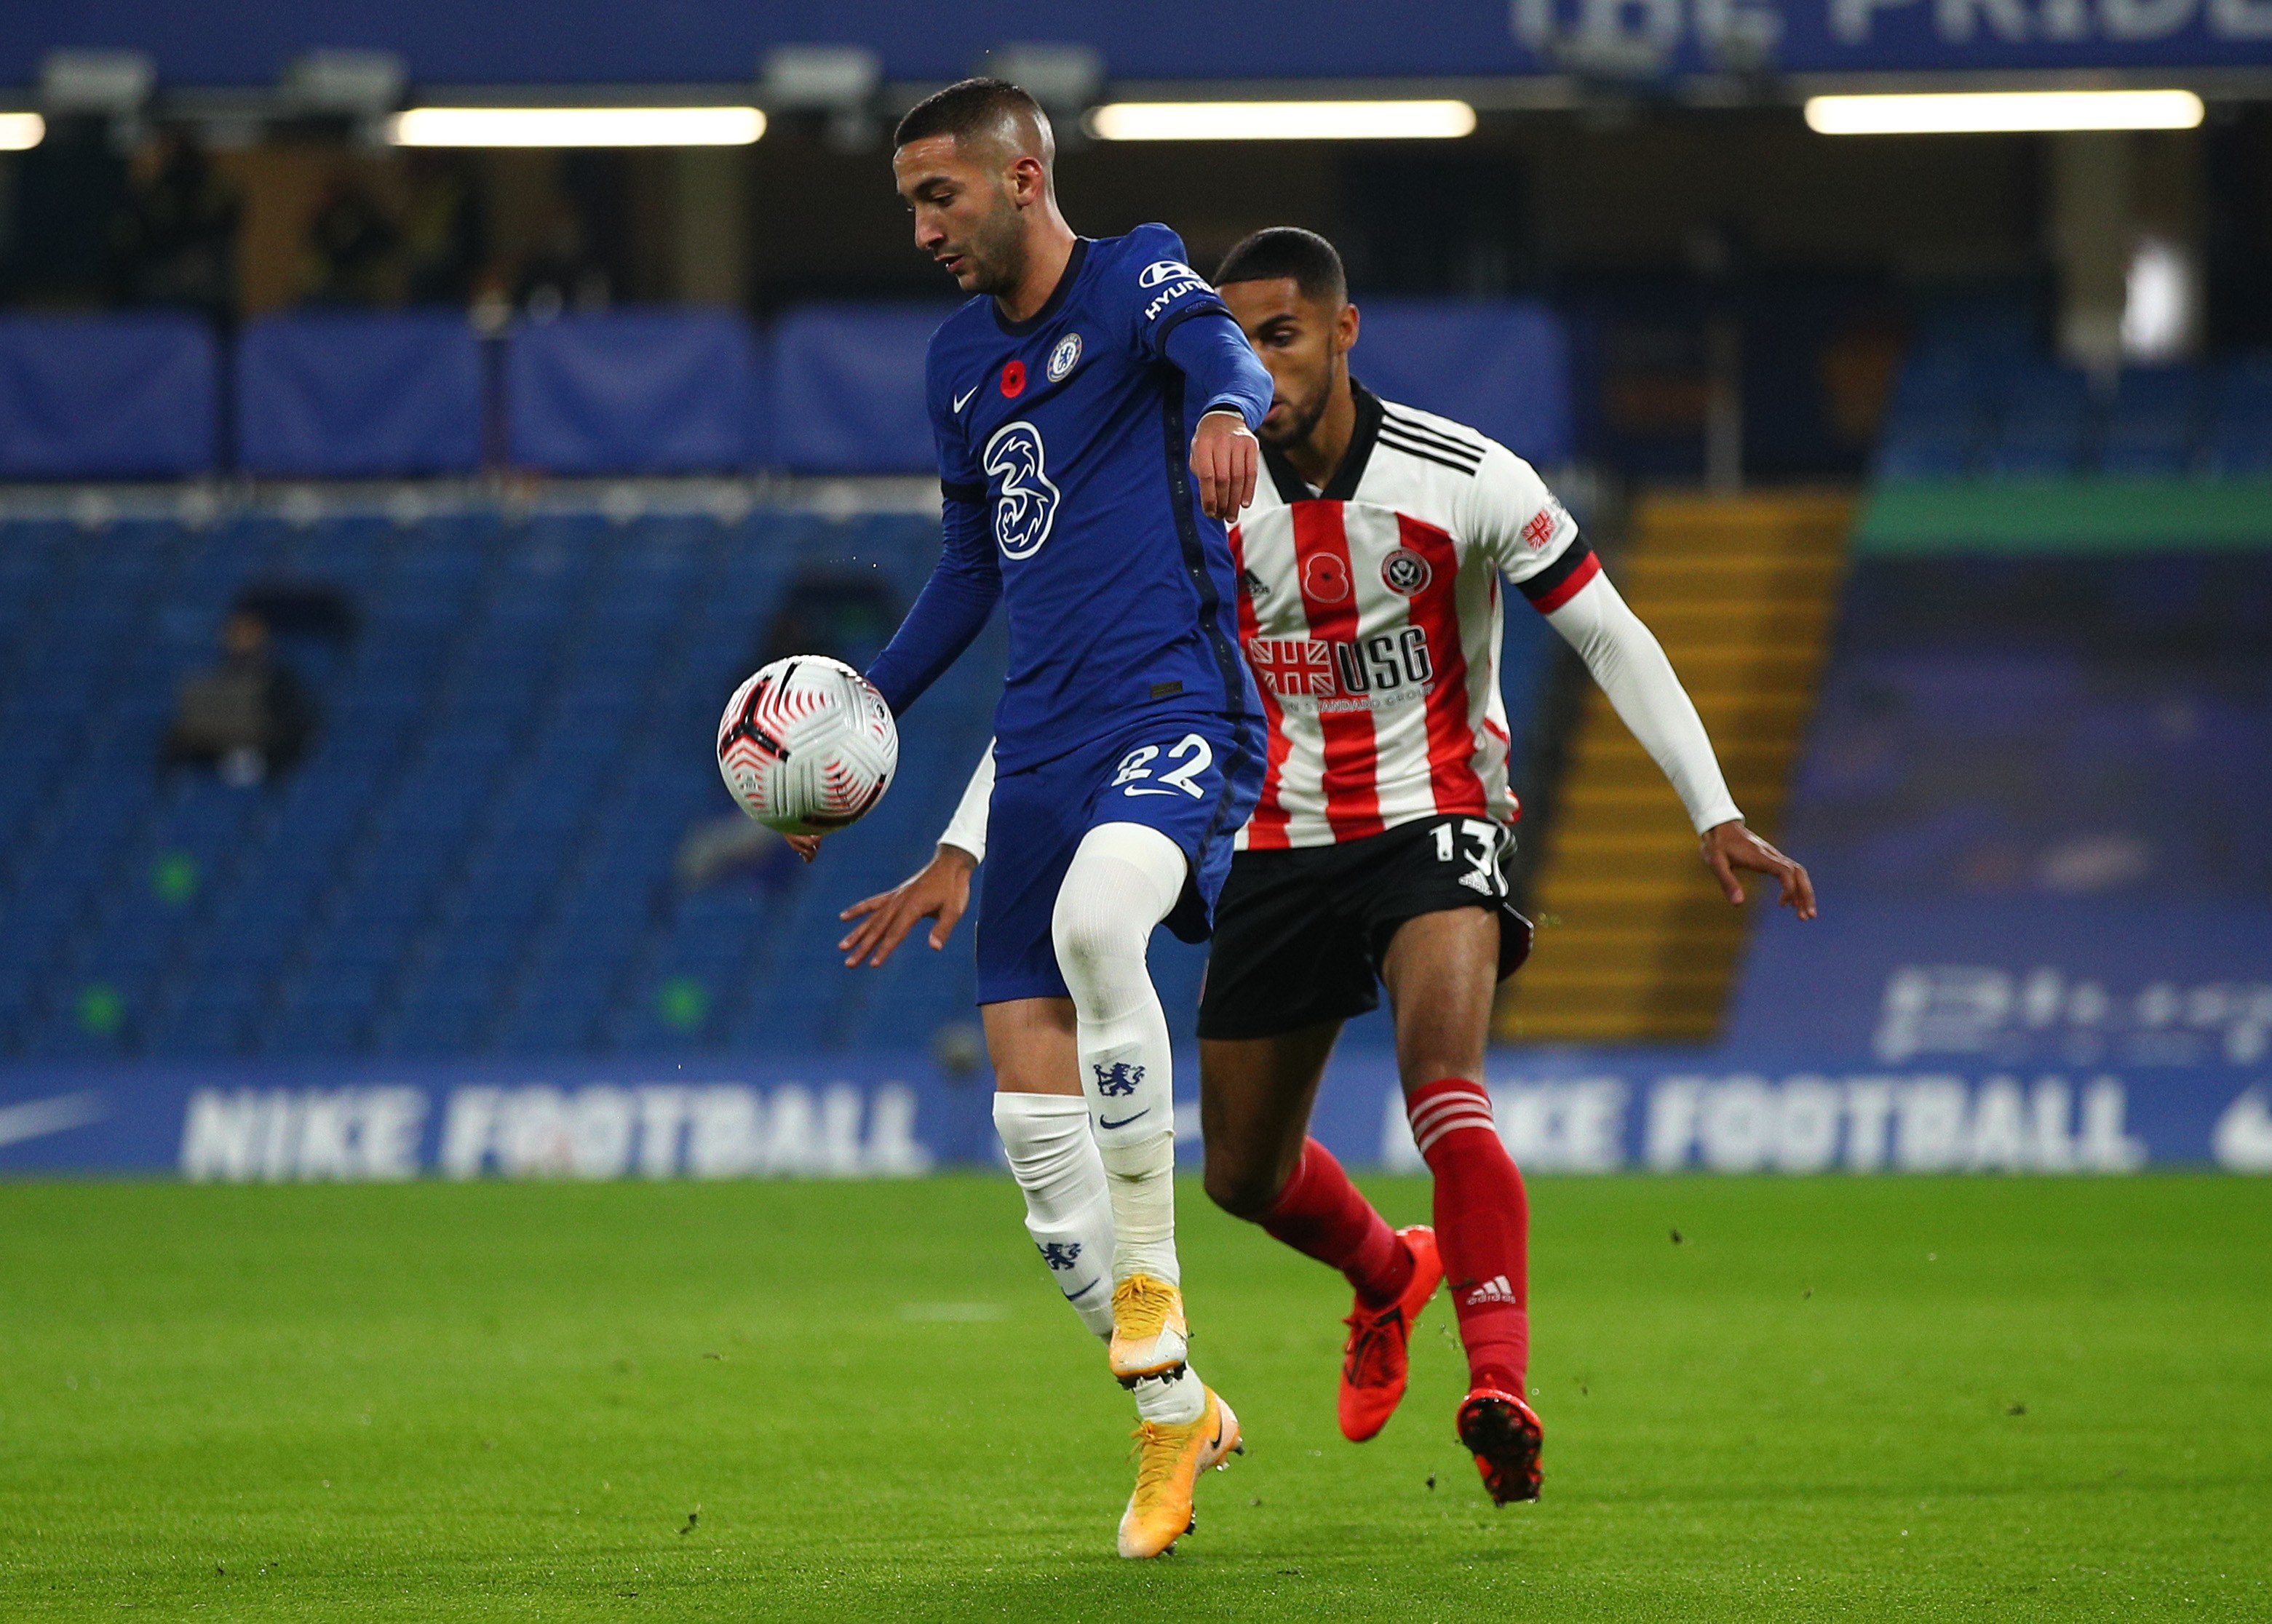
(807, 745)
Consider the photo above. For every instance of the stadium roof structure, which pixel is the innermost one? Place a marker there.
(353, 58)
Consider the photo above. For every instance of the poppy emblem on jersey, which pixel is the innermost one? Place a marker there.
(1406, 573)
(1325, 578)
(1014, 379)
(1066, 357)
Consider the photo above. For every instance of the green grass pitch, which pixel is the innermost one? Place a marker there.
(2005, 1399)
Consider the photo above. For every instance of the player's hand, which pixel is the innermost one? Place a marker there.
(807, 846)
(940, 890)
(1225, 457)
(1729, 847)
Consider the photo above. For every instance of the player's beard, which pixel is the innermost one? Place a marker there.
(1299, 426)
(997, 250)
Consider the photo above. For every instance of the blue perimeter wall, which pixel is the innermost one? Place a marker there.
(880, 1115)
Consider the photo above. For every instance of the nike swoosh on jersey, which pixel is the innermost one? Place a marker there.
(1103, 1121)
(1148, 791)
(963, 399)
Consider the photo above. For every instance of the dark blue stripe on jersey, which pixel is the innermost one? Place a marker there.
(1187, 532)
(1176, 319)
(1054, 302)
(961, 493)
(1543, 584)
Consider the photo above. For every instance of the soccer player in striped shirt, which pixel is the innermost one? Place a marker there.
(1371, 563)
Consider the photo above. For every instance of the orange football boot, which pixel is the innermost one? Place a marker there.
(1376, 1362)
(1169, 1461)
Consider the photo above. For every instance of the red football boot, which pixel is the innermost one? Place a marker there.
(1505, 1437)
(1376, 1362)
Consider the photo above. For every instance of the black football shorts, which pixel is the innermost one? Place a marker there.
(1300, 932)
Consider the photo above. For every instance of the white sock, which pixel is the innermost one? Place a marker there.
(1122, 882)
(1174, 1399)
(1068, 1213)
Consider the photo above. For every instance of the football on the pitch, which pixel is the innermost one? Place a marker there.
(807, 745)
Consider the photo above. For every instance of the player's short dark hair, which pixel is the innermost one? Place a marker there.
(969, 107)
(1277, 251)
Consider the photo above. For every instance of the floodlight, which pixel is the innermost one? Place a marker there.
(723, 126)
(1281, 121)
(1983, 112)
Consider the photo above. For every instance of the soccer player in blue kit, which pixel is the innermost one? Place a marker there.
(1094, 406)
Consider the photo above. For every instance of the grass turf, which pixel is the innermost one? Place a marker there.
(1894, 1398)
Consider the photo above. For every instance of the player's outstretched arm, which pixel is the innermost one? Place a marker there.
(1221, 367)
(939, 890)
(1629, 663)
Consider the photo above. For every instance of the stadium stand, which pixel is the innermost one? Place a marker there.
(1978, 398)
(1634, 944)
(483, 853)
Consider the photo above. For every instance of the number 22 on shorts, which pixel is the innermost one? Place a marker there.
(1191, 755)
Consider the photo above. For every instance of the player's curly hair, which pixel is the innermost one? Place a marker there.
(1277, 251)
(971, 108)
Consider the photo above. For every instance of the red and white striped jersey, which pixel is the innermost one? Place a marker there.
(1370, 612)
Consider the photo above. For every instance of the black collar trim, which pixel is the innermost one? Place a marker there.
(1293, 487)
(1057, 295)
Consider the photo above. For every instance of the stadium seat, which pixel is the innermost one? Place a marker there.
(478, 854)
(2042, 420)
(2153, 425)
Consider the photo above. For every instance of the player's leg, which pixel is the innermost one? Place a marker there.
(1043, 1117)
(1123, 881)
(1292, 960)
(1162, 821)
(1441, 969)
(1255, 1098)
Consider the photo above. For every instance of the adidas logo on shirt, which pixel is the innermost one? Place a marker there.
(1494, 1289)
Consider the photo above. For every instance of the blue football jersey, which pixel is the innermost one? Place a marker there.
(1071, 434)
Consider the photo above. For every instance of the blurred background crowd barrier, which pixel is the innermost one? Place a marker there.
(829, 388)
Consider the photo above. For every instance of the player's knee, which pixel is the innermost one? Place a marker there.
(1243, 1186)
(1090, 936)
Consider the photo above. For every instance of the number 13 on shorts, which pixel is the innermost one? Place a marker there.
(1148, 771)
(1476, 842)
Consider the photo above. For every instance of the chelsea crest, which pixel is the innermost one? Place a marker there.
(1066, 357)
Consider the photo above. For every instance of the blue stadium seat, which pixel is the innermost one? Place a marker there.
(2153, 425)
(480, 855)
(2042, 417)
(2240, 439)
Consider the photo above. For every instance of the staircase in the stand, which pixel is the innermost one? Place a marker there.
(1635, 944)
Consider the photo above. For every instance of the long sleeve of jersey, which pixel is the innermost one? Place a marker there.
(966, 830)
(950, 610)
(1211, 352)
(1630, 664)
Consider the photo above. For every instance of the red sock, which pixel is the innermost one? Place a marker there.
(1321, 1214)
(1482, 1227)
